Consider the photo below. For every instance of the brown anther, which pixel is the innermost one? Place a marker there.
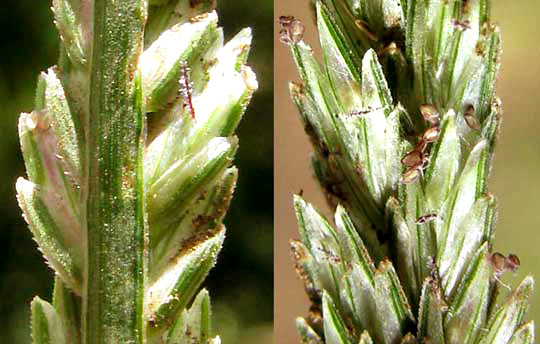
(390, 49)
(497, 102)
(469, 109)
(462, 25)
(426, 218)
(297, 88)
(412, 158)
(285, 20)
(284, 37)
(480, 48)
(498, 262)
(430, 113)
(315, 316)
(512, 263)
(298, 251)
(363, 26)
(411, 175)
(470, 118)
(292, 30)
(431, 135)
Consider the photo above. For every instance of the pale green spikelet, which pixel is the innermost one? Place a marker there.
(403, 119)
(129, 168)
(47, 327)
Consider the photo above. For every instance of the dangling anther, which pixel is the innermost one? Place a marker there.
(390, 49)
(461, 25)
(412, 174)
(430, 113)
(512, 263)
(292, 30)
(431, 135)
(363, 26)
(499, 264)
(412, 158)
(470, 118)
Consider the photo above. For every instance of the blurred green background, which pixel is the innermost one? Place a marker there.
(515, 178)
(241, 284)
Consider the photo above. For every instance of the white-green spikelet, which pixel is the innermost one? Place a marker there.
(190, 89)
(403, 119)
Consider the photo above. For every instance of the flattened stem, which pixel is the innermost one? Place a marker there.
(115, 271)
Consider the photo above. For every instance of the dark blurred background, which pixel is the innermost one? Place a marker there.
(241, 285)
(515, 177)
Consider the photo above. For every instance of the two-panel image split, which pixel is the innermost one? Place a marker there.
(269, 171)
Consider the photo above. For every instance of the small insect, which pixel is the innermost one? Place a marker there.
(363, 26)
(430, 113)
(426, 218)
(470, 118)
(431, 135)
(187, 88)
(292, 30)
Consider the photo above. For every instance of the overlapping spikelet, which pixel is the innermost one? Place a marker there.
(403, 119)
(195, 88)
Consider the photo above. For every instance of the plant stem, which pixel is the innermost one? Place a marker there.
(115, 271)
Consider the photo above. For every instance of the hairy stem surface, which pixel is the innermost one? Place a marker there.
(115, 217)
